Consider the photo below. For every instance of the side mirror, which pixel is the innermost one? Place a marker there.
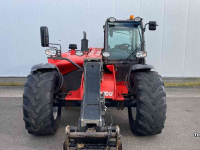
(152, 25)
(44, 34)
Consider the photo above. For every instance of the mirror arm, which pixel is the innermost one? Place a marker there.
(58, 52)
(55, 44)
(145, 26)
(53, 47)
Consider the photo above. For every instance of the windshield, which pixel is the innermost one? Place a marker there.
(123, 40)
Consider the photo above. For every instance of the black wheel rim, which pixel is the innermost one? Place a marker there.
(55, 112)
(134, 112)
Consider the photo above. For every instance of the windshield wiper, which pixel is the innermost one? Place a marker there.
(139, 46)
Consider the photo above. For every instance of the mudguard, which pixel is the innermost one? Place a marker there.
(136, 67)
(141, 67)
(43, 66)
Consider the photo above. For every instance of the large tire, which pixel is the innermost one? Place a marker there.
(40, 115)
(150, 112)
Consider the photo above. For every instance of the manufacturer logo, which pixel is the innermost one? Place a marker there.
(107, 93)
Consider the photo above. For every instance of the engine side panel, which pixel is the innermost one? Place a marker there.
(74, 80)
(112, 89)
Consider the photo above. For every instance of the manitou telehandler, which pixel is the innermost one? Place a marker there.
(96, 79)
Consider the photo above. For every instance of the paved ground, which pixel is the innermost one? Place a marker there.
(183, 120)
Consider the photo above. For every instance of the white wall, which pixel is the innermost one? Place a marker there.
(174, 49)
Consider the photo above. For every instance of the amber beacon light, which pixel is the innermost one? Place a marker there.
(131, 17)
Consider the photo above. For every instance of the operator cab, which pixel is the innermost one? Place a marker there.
(124, 40)
(124, 44)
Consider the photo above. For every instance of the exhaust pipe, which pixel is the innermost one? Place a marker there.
(84, 43)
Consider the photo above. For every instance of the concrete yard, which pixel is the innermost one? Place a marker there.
(183, 120)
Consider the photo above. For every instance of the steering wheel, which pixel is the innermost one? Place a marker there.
(127, 46)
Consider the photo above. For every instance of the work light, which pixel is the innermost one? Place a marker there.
(50, 52)
(79, 53)
(112, 19)
(141, 54)
(138, 19)
(106, 54)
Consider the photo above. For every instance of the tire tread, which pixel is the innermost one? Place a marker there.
(38, 102)
(151, 105)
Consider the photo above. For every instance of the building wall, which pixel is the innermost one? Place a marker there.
(174, 49)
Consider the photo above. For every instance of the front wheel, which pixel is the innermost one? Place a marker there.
(148, 117)
(41, 115)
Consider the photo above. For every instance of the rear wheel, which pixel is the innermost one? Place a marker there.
(41, 115)
(148, 117)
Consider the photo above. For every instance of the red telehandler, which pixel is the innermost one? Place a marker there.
(95, 79)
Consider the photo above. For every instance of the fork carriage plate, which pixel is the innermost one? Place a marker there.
(92, 140)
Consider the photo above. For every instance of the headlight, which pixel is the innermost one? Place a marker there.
(141, 54)
(79, 53)
(50, 52)
(112, 19)
(106, 54)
